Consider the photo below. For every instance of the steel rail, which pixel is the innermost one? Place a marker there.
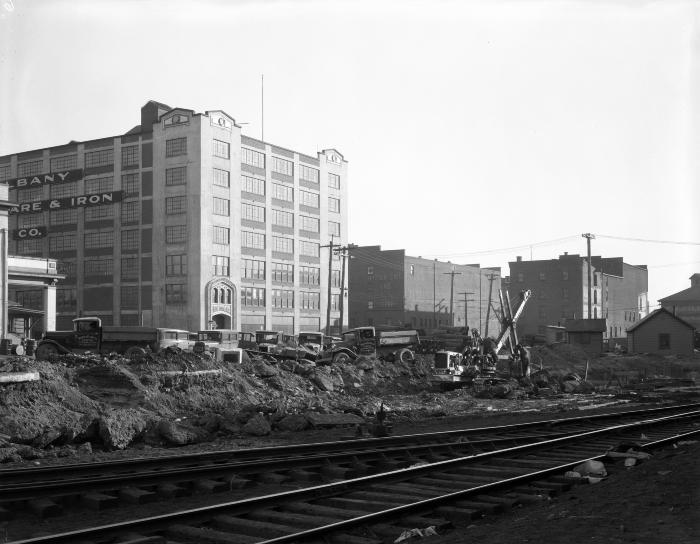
(187, 460)
(13, 492)
(200, 515)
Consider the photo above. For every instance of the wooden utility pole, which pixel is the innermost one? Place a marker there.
(452, 288)
(491, 277)
(330, 246)
(588, 236)
(466, 312)
(344, 254)
(434, 305)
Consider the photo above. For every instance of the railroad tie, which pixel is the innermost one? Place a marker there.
(133, 538)
(272, 478)
(387, 464)
(408, 489)
(334, 472)
(252, 527)
(99, 501)
(44, 508)
(134, 495)
(210, 486)
(392, 498)
(171, 491)
(207, 536)
(356, 504)
(353, 539)
(438, 483)
(237, 482)
(301, 475)
(292, 518)
(323, 510)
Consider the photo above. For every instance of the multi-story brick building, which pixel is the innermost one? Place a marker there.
(685, 304)
(560, 292)
(183, 222)
(388, 287)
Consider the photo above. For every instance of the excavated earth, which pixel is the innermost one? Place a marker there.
(87, 408)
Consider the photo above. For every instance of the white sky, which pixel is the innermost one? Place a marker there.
(468, 126)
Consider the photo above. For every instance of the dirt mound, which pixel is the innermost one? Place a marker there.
(112, 401)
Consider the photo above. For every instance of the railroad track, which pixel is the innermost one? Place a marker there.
(370, 509)
(290, 467)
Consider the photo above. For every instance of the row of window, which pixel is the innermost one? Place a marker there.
(564, 276)
(130, 156)
(284, 273)
(176, 265)
(131, 186)
(176, 293)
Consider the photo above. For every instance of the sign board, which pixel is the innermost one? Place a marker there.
(83, 201)
(64, 176)
(29, 232)
(221, 121)
(334, 158)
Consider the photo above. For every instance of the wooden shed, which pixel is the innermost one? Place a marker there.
(586, 334)
(663, 333)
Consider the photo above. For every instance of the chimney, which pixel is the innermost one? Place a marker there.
(519, 258)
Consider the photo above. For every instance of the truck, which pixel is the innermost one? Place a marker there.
(89, 334)
(218, 339)
(366, 341)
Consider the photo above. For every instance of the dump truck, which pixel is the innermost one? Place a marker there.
(89, 334)
(366, 341)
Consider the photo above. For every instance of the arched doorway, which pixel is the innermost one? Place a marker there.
(220, 303)
(222, 321)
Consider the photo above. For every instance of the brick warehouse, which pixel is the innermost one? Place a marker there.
(182, 222)
(388, 287)
(560, 292)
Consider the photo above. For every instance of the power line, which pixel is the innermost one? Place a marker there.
(676, 242)
(504, 249)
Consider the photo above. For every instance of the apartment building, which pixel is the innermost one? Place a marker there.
(183, 222)
(560, 292)
(388, 287)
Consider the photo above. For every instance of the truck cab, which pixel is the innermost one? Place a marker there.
(86, 334)
(267, 341)
(314, 341)
(218, 338)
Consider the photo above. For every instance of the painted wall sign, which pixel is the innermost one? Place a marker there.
(83, 201)
(64, 176)
(29, 232)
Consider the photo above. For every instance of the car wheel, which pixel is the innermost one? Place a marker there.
(45, 351)
(341, 358)
(135, 353)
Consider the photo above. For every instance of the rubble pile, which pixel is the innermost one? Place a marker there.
(177, 398)
(180, 398)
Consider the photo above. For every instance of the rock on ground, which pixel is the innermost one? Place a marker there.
(257, 426)
(119, 428)
(293, 422)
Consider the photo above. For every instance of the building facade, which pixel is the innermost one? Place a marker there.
(685, 304)
(183, 222)
(388, 287)
(662, 333)
(560, 292)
